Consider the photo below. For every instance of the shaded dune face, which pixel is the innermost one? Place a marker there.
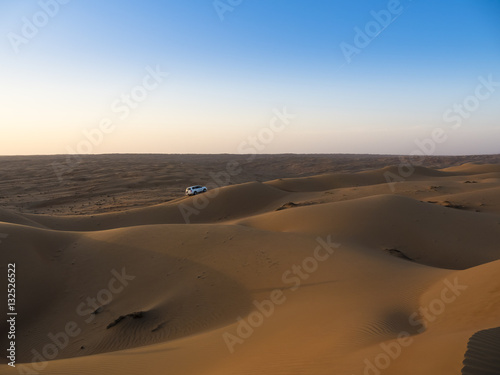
(371, 278)
(118, 296)
(398, 225)
(481, 357)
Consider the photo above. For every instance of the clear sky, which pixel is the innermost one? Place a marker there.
(204, 76)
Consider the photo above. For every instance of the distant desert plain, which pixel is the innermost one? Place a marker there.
(289, 264)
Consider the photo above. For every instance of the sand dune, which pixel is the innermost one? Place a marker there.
(482, 356)
(92, 184)
(342, 180)
(481, 200)
(215, 206)
(394, 222)
(327, 274)
(474, 168)
(7, 216)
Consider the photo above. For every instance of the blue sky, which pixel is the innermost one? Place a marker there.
(231, 64)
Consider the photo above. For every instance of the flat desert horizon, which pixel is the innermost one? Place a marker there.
(288, 264)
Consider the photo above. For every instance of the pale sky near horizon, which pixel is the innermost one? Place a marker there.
(209, 76)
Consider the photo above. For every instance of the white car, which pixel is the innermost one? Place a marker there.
(193, 190)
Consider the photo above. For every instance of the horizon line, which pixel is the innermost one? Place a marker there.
(255, 155)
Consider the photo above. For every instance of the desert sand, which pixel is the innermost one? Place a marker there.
(298, 264)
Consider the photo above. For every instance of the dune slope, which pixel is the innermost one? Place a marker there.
(319, 275)
(482, 357)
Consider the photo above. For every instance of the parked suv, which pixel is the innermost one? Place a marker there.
(193, 190)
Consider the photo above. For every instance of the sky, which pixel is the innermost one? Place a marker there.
(244, 76)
